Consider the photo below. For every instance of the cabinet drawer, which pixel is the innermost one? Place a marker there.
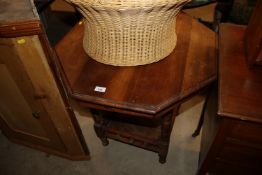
(247, 132)
(241, 154)
(226, 168)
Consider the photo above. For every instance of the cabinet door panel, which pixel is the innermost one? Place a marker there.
(21, 109)
(34, 60)
(19, 117)
(34, 106)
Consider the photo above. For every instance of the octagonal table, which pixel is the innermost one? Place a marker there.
(137, 105)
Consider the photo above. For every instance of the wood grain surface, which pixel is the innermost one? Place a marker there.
(147, 89)
(240, 87)
(253, 37)
(20, 19)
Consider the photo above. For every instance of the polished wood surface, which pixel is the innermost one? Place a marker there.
(147, 89)
(240, 87)
(140, 103)
(231, 139)
(230, 146)
(253, 37)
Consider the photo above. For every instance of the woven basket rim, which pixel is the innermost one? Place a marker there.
(131, 7)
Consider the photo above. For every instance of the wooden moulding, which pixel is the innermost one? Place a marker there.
(16, 29)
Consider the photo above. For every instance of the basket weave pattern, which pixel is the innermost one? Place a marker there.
(129, 32)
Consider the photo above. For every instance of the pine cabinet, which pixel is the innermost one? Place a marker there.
(33, 106)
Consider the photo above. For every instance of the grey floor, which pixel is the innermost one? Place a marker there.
(115, 159)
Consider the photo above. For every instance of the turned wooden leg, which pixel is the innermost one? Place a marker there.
(100, 126)
(166, 128)
(201, 119)
(162, 154)
(100, 132)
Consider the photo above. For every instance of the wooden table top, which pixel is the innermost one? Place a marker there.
(240, 88)
(147, 89)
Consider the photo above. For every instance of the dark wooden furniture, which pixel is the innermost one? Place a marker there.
(42, 4)
(253, 37)
(140, 103)
(33, 106)
(197, 3)
(232, 139)
(224, 8)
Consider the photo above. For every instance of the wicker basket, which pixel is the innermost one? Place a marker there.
(129, 32)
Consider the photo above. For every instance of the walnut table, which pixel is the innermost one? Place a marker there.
(139, 103)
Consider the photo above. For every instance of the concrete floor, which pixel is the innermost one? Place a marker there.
(115, 159)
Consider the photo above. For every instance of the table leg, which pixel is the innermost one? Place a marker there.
(100, 126)
(166, 128)
(201, 119)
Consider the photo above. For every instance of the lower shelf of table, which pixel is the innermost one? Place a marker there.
(150, 134)
(146, 137)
